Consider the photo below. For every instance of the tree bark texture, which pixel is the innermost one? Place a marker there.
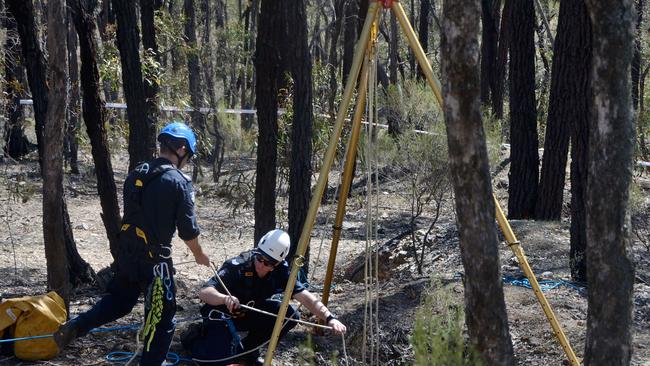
(151, 87)
(489, 41)
(568, 103)
(636, 57)
(35, 64)
(524, 158)
(269, 70)
(94, 113)
(333, 59)
(610, 271)
(142, 136)
(73, 111)
(193, 66)
(302, 123)
(53, 235)
(485, 310)
(349, 35)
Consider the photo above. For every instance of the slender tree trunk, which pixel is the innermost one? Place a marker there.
(636, 58)
(301, 129)
(505, 33)
(142, 136)
(567, 104)
(333, 61)
(58, 278)
(23, 11)
(610, 271)
(524, 158)
(94, 114)
(269, 69)
(73, 111)
(193, 66)
(16, 143)
(489, 42)
(349, 35)
(151, 86)
(486, 318)
(423, 33)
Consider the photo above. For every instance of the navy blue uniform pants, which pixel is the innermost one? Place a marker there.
(123, 293)
(260, 326)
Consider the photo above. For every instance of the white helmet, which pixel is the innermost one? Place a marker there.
(275, 245)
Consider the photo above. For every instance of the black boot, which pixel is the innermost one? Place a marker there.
(65, 334)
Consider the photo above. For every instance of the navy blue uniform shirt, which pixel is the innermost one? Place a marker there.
(167, 203)
(238, 274)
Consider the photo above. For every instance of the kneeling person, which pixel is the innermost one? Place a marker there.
(253, 278)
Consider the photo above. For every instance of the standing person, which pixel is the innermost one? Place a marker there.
(252, 278)
(158, 199)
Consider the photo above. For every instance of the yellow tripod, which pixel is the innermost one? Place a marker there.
(360, 54)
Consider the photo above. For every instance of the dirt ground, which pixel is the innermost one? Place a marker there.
(226, 232)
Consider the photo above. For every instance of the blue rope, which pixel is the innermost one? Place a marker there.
(543, 284)
(120, 356)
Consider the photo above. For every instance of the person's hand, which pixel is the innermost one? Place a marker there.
(231, 303)
(337, 326)
(202, 258)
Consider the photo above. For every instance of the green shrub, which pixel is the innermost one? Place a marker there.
(438, 331)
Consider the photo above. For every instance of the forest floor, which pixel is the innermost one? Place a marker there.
(227, 231)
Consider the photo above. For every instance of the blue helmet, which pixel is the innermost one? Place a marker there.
(182, 131)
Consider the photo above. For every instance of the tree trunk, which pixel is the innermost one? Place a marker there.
(16, 143)
(524, 158)
(94, 114)
(636, 58)
(489, 42)
(142, 131)
(349, 35)
(505, 33)
(151, 87)
(567, 104)
(269, 70)
(73, 111)
(423, 32)
(193, 66)
(302, 123)
(486, 318)
(610, 271)
(23, 11)
(333, 59)
(53, 236)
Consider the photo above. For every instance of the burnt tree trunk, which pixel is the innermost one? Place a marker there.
(73, 111)
(269, 71)
(567, 104)
(301, 129)
(16, 143)
(485, 309)
(349, 35)
(610, 271)
(23, 11)
(94, 114)
(142, 131)
(524, 158)
(505, 32)
(489, 43)
(636, 58)
(34, 61)
(58, 278)
(151, 87)
(193, 66)
(333, 59)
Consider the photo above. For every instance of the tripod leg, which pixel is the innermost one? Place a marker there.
(417, 50)
(305, 235)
